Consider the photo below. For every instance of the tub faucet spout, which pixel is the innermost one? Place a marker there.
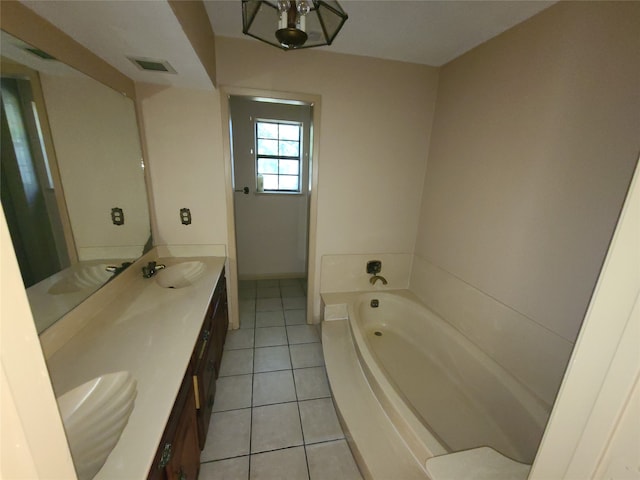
(375, 278)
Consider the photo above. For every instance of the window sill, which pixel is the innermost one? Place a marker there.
(279, 193)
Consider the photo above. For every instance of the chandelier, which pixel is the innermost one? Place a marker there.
(293, 24)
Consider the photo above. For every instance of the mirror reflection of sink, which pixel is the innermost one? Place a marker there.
(88, 277)
(94, 415)
(180, 275)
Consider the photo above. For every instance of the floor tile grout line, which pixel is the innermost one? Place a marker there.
(321, 442)
(288, 447)
(295, 389)
(278, 403)
(253, 368)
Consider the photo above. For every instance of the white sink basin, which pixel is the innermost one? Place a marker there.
(84, 278)
(180, 275)
(94, 416)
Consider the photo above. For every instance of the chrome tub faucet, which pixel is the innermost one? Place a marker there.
(375, 278)
(374, 267)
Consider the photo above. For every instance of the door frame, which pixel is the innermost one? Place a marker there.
(15, 70)
(232, 259)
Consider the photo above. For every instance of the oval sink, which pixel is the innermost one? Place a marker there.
(94, 416)
(180, 275)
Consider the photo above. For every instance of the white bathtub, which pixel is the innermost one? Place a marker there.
(441, 392)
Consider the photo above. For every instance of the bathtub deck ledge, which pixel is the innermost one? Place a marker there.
(482, 463)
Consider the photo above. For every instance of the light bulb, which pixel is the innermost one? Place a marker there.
(283, 6)
(304, 6)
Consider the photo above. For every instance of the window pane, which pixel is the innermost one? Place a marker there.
(289, 132)
(289, 149)
(289, 167)
(267, 165)
(289, 182)
(267, 147)
(267, 130)
(270, 182)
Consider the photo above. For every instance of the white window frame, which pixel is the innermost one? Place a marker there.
(259, 185)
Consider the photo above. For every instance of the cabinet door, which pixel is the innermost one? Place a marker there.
(208, 363)
(179, 453)
(185, 457)
(205, 381)
(219, 327)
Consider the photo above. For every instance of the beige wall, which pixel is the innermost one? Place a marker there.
(184, 145)
(533, 147)
(97, 145)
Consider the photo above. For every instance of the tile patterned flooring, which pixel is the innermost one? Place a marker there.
(273, 417)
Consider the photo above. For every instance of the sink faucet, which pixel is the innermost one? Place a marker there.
(375, 278)
(151, 269)
(116, 270)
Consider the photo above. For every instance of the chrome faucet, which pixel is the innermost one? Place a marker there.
(151, 269)
(117, 270)
(375, 278)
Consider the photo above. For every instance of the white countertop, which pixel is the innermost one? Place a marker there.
(149, 331)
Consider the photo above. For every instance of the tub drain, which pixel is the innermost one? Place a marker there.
(377, 333)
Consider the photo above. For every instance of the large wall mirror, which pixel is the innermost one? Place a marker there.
(73, 187)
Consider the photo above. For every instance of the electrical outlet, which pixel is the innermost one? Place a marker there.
(185, 216)
(117, 216)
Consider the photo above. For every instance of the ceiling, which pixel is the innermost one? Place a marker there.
(117, 29)
(428, 32)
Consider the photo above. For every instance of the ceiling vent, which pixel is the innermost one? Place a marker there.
(39, 53)
(152, 65)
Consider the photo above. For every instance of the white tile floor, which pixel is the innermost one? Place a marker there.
(273, 417)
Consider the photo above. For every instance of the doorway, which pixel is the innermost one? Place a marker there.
(270, 150)
(270, 155)
(270, 145)
(28, 192)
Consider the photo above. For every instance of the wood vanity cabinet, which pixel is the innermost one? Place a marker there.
(178, 455)
(208, 355)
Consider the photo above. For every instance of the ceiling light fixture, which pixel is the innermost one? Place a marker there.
(293, 24)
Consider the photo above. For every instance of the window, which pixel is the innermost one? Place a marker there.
(279, 148)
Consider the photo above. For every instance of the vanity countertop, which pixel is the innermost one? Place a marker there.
(149, 331)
